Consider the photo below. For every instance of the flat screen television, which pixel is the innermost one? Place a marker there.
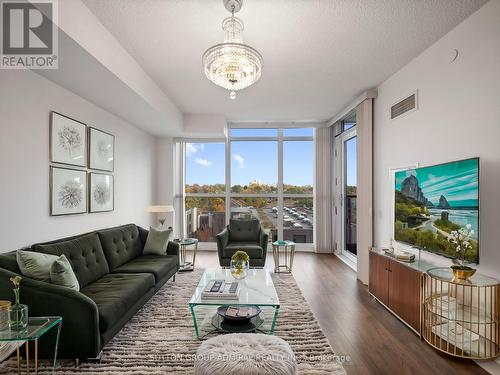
(430, 202)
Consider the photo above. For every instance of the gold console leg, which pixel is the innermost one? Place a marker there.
(18, 360)
(27, 357)
(36, 356)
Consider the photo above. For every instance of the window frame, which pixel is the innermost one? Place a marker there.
(280, 196)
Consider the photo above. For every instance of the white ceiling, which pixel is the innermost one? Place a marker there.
(318, 54)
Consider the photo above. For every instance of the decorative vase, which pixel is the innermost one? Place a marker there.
(18, 317)
(239, 268)
(462, 273)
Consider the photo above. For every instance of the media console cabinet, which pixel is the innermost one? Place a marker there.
(398, 286)
(458, 318)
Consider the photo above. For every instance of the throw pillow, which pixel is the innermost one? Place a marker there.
(35, 265)
(61, 273)
(157, 241)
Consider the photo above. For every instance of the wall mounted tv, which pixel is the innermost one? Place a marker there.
(430, 202)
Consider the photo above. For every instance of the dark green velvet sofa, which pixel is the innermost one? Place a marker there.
(115, 279)
(243, 234)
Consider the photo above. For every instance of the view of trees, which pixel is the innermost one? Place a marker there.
(206, 204)
(351, 190)
(214, 189)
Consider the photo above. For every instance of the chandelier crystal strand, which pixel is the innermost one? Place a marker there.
(232, 65)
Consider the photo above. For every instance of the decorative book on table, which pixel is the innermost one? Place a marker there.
(221, 290)
(402, 256)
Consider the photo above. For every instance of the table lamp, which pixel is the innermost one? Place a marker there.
(160, 210)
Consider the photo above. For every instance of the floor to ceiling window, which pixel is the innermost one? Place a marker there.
(205, 186)
(264, 173)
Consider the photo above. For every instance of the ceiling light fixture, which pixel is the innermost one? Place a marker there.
(232, 65)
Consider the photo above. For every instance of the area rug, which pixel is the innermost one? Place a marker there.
(160, 338)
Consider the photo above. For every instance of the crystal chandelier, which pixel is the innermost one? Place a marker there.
(232, 65)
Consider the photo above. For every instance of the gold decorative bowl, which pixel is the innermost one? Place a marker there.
(462, 275)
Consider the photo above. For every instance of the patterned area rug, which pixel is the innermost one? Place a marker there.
(160, 338)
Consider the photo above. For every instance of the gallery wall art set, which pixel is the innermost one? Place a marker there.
(82, 178)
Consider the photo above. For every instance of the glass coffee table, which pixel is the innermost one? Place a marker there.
(257, 289)
(37, 327)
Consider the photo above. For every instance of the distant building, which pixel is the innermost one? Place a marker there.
(204, 226)
(191, 221)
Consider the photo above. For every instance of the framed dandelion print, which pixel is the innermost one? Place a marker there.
(68, 140)
(68, 189)
(101, 192)
(101, 150)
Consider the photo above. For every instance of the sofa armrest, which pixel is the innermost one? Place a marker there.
(80, 334)
(222, 241)
(223, 237)
(263, 238)
(173, 248)
(143, 235)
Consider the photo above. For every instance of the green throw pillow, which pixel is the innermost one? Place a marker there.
(157, 241)
(35, 265)
(61, 273)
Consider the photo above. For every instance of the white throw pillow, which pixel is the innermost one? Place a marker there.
(35, 265)
(157, 241)
(61, 273)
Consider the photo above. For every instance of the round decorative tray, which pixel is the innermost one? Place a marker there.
(253, 311)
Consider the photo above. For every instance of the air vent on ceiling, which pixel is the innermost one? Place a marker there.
(404, 106)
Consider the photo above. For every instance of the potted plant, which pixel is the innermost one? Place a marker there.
(461, 239)
(240, 264)
(18, 313)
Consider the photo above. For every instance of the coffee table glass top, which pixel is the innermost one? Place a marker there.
(256, 289)
(35, 329)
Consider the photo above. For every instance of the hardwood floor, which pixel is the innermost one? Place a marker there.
(356, 325)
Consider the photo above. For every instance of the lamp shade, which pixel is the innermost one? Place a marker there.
(158, 209)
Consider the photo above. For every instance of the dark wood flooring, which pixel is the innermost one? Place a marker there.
(356, 325)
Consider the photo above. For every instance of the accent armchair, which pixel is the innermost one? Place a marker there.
(243, 234)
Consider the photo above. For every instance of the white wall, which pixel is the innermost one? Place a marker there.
(26, 99)
(165, 170)
(458, 117)
(165, 177)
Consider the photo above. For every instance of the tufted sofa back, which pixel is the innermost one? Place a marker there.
(121, 244)
(244, 229)
(85, 254)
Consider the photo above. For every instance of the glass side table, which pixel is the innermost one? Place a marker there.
(283, 253)
(184, 264)
(37, 327)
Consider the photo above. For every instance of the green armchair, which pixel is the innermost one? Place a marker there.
(243, 234)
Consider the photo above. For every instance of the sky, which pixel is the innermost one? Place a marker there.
(351, 162)
(250, 161)
(457, 181)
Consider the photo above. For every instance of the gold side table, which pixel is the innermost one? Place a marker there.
(283, 253)
(36, 328)
(461, 318)
(184, 264)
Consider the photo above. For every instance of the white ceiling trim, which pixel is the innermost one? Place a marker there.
(369, 94)
(276, 124)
